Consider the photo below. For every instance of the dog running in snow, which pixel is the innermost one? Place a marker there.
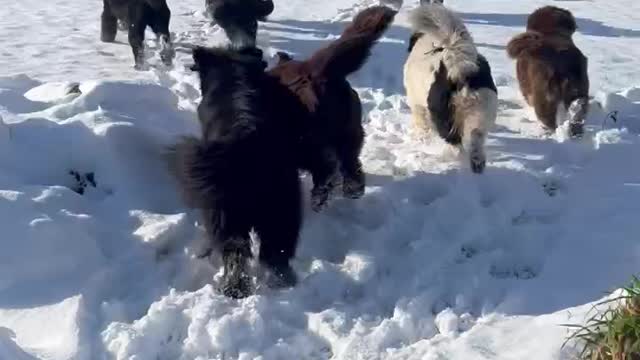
(242, 172)
(551, 70)
(333, 135)
(449, 85)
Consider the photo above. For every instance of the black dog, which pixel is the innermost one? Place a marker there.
(239, 18)
(136, 15)
(242, 173)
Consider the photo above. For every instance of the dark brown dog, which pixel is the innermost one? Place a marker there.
(333, 135)
(551, 69)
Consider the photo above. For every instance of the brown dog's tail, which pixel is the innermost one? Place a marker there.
(347, 54)
(527, 42)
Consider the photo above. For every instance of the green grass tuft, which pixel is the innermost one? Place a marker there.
(613, 334)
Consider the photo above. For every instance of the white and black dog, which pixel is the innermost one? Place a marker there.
(448, 83)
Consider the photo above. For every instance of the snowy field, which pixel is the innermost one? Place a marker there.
(432, 263)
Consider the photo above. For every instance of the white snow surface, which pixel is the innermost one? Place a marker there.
(432, 263)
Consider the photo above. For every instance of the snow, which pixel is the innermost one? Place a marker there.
(432, 263)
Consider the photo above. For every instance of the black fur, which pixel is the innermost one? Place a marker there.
(482, 78)
(440, 106)
(442, 90)
(242, 173)
(137, 15)
(413, 39)
(239, 18)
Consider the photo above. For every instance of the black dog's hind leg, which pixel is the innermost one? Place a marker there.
(230, 234)
(138, 17)
(323, 167)
(160, 26)
(109, 23)
(278, 229)
(348, 151)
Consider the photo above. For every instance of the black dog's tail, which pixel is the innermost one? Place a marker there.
(347, 54)
(205, 170)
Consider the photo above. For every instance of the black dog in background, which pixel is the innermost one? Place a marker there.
(239, 18)
(136, 15)
(242, 172)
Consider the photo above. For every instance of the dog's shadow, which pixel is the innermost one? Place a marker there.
(381, 71)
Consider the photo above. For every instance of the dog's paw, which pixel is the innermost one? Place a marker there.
(141, 66)
(167, 53)
(236, 283)
(319, 200)
(352, 189)
(82, 181)
(576, 130)
(237, 288)
(478, 163)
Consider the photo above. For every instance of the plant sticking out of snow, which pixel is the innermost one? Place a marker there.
(613, 334)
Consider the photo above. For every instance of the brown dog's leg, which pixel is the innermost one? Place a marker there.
(546, 108)
(323, 170)
(348, 151)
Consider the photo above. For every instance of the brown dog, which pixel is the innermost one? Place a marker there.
(551, 69)
(333, 135)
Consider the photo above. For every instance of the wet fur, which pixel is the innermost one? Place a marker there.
(449, 85)
(136, 15)
(239, 18)
(242, 172)
(333, 135)
(551, 70)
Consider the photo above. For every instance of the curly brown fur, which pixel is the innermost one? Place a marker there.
(551, 70)
(550, 20)
(333, 136)
(239, 18)
(242, 172)
(137, 15)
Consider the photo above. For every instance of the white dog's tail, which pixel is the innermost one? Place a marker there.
(449, 34)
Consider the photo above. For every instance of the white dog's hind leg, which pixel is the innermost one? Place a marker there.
(478, 115)
(420, 127)
(477, 156)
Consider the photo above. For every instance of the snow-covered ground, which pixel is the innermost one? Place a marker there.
(433, 263)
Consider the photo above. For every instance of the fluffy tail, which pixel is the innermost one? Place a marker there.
(204, 169)
(447, 31)
(524, 43)
(347, 54)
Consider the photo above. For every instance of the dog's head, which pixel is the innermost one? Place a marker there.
(221, 60)
(551, 20)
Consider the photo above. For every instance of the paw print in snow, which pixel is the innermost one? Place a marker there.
(82, 181)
